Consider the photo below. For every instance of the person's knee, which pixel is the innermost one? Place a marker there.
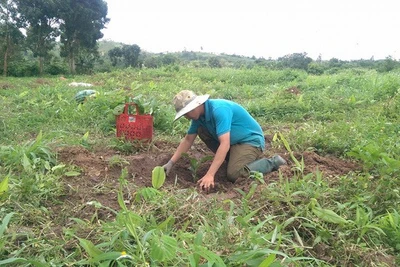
(234, 173)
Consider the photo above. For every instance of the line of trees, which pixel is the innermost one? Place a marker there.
(38, 26)
(62, 36)
(127, 55)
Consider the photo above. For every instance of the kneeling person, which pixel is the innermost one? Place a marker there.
(228, 130)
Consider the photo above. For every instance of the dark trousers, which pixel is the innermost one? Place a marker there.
(238, 156)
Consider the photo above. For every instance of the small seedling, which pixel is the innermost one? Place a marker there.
(117, 160)
(299, 165)
(257, 176)
(85, 140)
(196, 163)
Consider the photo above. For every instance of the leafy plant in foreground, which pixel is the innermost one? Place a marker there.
(374, 155)
(258, 176)
(4, 186)
(3, 240)
(390, 224)
(33, 155)
(117, 160)
(158, 177)
(299, 165)
(196, 163)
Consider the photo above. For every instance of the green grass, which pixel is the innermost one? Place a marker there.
(304, 220)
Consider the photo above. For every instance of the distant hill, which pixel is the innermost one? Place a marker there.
(107, 45)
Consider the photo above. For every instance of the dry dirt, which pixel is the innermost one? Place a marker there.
(99, 179)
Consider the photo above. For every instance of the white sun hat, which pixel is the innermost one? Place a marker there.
(186, 101)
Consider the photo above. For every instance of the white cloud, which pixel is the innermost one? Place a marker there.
(342, 29)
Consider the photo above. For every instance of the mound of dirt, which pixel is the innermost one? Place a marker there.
(101, 169)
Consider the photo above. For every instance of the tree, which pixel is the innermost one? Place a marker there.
(169, 59)
(387, 65)
(315, 68)
(86, 59)
(81, 25)
(115, 55)
(10, 35)
(334, 63)
(214, 62)
(131, 55)
(295, 61)
(152, 62)
(42, 24)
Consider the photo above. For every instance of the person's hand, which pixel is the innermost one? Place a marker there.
(206, 182)
(167, 167)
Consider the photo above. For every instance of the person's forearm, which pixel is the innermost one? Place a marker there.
(219, 158)
(183, 147)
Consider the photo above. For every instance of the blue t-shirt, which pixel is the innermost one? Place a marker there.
(223, 116)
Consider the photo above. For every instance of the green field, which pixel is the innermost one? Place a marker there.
(73, 194)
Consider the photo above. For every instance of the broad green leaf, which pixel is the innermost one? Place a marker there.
(26, 163)
(251, 191)
(72, 173)
(131, 221)
(199, 238)
(24, 93)
(163, 249)
(206, 158)
(275, 234)
(268, 261)
(60, 166)
(147, 193)
(285, 142)
(121, 201)
(167, 223)
(244, 221)
(193, 260)
(4, 185)
(212, 258)
(328, 215)
(296, 234)
(85, 136)
(5, 222)
(7, 262)
(158, 177)
(148, 235)
(119, 109)
(79, 221)
(275, 137)
(246, 256)
(91, 249)
(39, 137)
(12, 260)
(113, 255)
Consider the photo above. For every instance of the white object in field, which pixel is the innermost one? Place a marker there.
(75, 84)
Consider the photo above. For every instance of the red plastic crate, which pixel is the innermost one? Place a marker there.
(134, 126)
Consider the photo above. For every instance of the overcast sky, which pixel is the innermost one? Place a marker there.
(343, 29)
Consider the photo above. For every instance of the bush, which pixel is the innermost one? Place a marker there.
(315, 69)
(56, 67)
(23, 68)
(215, 62)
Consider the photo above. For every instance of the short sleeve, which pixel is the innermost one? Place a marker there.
(223, 120)
(194, 126)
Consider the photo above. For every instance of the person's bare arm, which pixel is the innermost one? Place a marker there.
(208, 180)
(183, 147)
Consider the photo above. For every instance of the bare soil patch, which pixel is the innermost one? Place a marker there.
(99, 179)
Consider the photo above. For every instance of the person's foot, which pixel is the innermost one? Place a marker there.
(278, 161)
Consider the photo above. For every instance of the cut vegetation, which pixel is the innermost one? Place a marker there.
(73, 194)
